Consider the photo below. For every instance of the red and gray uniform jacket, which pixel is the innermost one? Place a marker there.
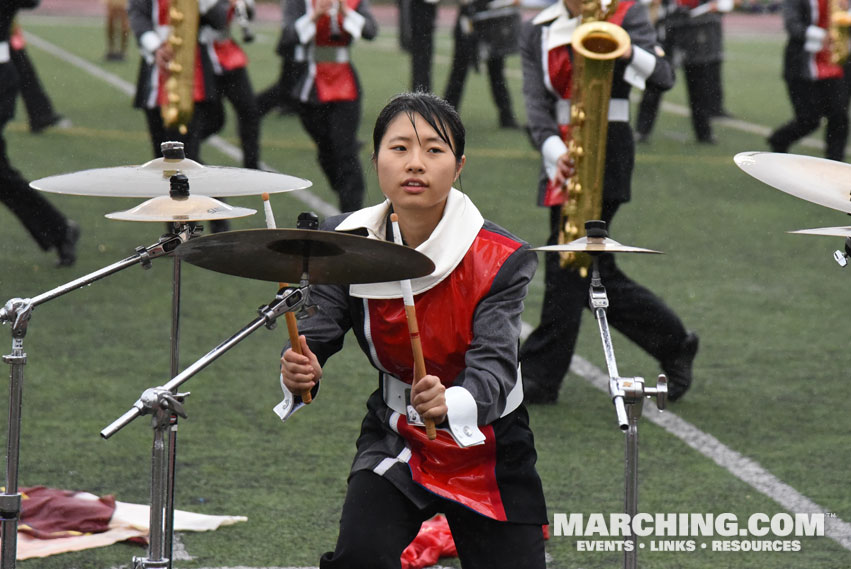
(805, 57)
(548, 86)
(321, 50)
(469, 313)
(150, 24)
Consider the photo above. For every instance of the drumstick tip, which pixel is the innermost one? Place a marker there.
(265, 196)
(394, 218)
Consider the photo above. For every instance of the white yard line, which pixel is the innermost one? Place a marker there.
(740, 466)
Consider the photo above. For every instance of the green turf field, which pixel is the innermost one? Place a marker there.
(768, 306)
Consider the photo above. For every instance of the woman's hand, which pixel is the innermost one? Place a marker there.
(427, 397)
(300, 372)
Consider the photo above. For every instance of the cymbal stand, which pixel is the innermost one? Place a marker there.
(627, 394)
(18, 312)
(164, 403)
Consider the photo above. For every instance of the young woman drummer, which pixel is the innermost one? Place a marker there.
(480, 470)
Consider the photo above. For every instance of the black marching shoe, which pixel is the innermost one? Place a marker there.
(67, 247)
(678, 369)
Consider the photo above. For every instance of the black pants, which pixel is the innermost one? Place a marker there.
(378, 523)
(462, 59)
(703, 82)
(423, 16)
(812, 100)
(334, 128)
(44, 222)
(633, 310)
(235, 86)
(39, 108)
(191, 140)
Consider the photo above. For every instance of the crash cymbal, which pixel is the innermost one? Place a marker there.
(190, 208)
(279, 255)
(152, 179)
(595, 245)
(817, 180)
(829, 231)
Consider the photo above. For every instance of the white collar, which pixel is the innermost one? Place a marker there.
(446, 246)
(560, 32)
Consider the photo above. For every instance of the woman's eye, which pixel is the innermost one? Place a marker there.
(398, 148)
(436, 150)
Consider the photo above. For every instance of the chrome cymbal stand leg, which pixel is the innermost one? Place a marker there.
(627, 395)
(165, 403)
(10, 500)
(18, 312)
(165, 406)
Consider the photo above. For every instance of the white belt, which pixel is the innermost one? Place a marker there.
(4, 51)
(397, 395)
(330, 54)
(618, 110)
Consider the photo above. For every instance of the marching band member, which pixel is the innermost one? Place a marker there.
(816, 86)
(46, 224)
(480, 470)
(321, 33)
(635, 311)
(466, 55)
(149, 21)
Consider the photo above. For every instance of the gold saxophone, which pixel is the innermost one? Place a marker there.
(183, 16)
(596, 45)
(839, 31)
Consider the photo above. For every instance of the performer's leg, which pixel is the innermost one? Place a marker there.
(648, 110)
(698, 97)
(647, 321)
(239, 92)
(483, 543)
(423, 15)
(499, 92)
(834, 96)
(348, 176)
(461, 55)
(806, 120)
(39, 107)
(545, 355)
(333, 127)
(377, 524)
(43, 221)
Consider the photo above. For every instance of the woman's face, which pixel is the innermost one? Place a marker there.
(416, 168)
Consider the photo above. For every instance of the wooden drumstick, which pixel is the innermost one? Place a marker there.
(292, 325)
(413, 328)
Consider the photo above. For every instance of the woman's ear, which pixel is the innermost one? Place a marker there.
(460, 166)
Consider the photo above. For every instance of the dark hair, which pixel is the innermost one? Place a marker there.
(439, 114)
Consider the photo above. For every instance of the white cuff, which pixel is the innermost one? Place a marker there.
(290, 403)
(814, 41)
(149, 43)
(305, 29)
(353, 23)
(640, 68)
(551, 150)
(462, 415)
(725, 6)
